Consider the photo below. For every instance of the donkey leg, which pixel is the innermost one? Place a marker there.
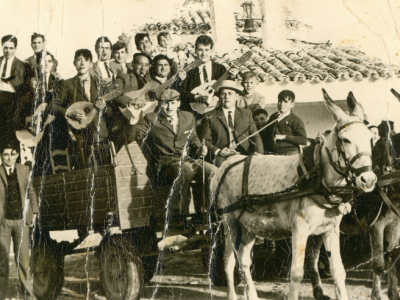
(315, 243)
(392, 235)
(299, 244)
(229, 259)
(378, 262)
(332, 245)
(244, 257)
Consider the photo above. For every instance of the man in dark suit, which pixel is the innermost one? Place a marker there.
(82, 87)
(170, 142)
(14, 84)
(18, 212)
(204, 73)
(37, 44)
(226, 126)
(102, 67)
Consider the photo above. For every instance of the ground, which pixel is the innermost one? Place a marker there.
(182, 277)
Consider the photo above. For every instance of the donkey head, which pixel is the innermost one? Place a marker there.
(352, 140)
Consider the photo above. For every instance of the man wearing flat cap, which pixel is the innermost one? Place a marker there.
(225, 127)
(169, 141)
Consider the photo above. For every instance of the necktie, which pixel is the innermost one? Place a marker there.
(3, 74)
(85, 92)
(107, 69)
(230, 122)
(205, 76)
(171, 120)
(10, 171)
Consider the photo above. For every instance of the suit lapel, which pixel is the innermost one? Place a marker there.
(20, 179)
(223, 120)
(164, 121)
(3, 175)
(93, 89)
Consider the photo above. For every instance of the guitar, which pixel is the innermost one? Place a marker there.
(144, 99)
(208, 88)
(32, 135)
(89, 109)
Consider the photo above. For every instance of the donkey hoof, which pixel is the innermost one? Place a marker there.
(319, 294)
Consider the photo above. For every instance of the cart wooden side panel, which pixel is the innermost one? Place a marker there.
(77, 198)
(135, 194)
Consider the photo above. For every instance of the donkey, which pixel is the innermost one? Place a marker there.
(385, 229)
(296, 217)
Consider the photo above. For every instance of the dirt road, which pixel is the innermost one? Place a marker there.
(182, 277)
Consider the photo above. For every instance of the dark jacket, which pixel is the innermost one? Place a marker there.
(19, 76)
(70, 92)
(193, 80)
(161, 144)
(214, 129)
(291, 126)
(25, 186)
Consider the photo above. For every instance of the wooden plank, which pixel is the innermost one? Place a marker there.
(128, 170)
(52, 209)
(133, 218)
(134, 192)
(88, 193)
(138, 202)
(52, 199)
(124, 160)
(98, 204)
(87, 185)
(84, 174)
(48, 179)
(52, 189)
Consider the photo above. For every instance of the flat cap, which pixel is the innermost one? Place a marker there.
(169, 95)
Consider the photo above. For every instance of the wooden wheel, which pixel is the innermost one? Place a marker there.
(47, 269)
(121, 270)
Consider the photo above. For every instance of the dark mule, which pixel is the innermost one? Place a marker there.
(385, 228)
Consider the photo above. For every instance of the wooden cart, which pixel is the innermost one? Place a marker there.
(117, 201)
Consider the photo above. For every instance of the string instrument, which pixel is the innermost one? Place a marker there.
(89, 109)
(208, 88)
(32, 135)
(144, 99)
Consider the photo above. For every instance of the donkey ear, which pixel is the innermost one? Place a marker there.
(337, 113)
(355, 108)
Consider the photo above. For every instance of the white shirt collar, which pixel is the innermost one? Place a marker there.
(9, 168)
(84, 76)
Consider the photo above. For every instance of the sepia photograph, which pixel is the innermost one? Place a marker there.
(200, 149)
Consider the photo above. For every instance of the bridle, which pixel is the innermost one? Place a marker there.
(348, 172)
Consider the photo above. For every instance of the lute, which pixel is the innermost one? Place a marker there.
(145, 98)
(89, 109)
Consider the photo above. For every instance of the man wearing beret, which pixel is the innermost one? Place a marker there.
(169, 140)
(226, 126)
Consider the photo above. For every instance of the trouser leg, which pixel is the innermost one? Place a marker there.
(5, 239)
(199, 201)
(21, 240)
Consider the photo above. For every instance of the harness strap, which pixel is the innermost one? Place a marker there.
(303, 167)
(245, 180)
(223, 178)
(387, 200)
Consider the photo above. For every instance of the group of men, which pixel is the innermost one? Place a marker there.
(174, 137)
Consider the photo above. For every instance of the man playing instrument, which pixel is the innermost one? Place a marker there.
(200, 75)
(226, 128)
(82, 87)
(174, 151)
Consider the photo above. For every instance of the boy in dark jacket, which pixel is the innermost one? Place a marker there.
(289, 132)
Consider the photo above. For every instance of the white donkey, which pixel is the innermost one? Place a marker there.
(297, 217)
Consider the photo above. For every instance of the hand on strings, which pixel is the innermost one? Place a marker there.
(226, 152)
(182, 75)
(204, 151)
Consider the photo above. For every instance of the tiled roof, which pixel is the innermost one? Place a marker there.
(309, 63)
(189, 22)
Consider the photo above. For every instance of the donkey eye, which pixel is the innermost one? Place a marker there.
(346, 141)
